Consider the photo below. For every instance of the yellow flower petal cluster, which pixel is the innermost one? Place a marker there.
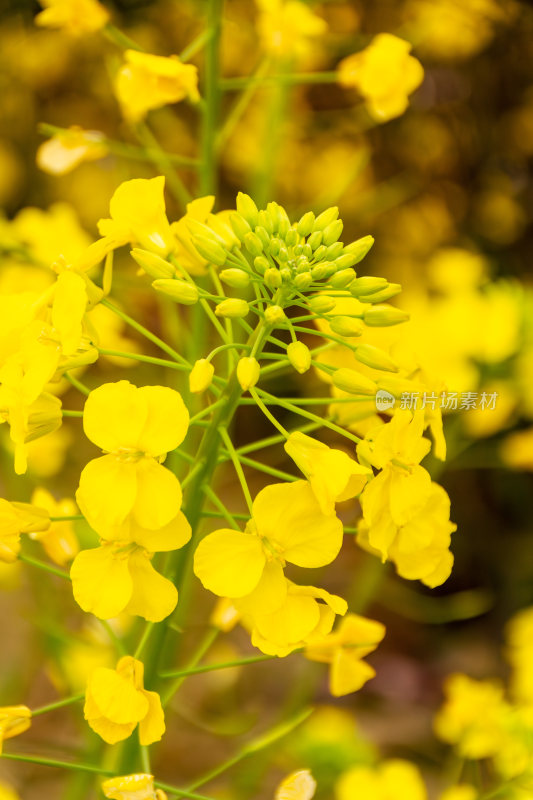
(288, 27)
(131, 500)
(332, 474)
(67, 149)
(17, 518)
(76, 17)
(146, 82)
(287, 525)
(391, 780)
(132, 787)
(344, 650)
(116, 702)
(13, 721)
(405, 514)
(384, 74)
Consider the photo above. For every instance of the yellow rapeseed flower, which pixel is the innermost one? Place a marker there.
(17, 518)
(76, 17)
(384, 74)
(288, 27)
(13, 721)
(146, 82)
(116, 702)
(333, 475)
(128, 490)
(64, 151)
(391, 780)
(344, 649)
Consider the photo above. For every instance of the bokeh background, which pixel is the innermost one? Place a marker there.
(446, 190)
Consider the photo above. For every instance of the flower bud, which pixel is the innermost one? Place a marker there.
(197, 228)
(274, 212)
(366, 285)
(152, 264)
(331, 232)
(346, 326)
(300, 356)
(253, 244)
(323, 270)
(302, 264)
(211, 250)
(384, 315)
(283, 254)
(275, 246)
(180, 291)
(307, 250)
(201, 375)
(375, 357)
(264, 236)
(320, 253)
(247, 372)
(261, 264)
(272, 278)
(286, 274)
(390, 291)
(247, 208)
(321, 304)
(233, 307)
(343, 278)
(291, 238)
(275, 315)
(265, 220)
(315, 240)
(348, 380)
(305, 225)
(303, 280)
(396, 386)
(358, 249)
(283, 227)
(239, 225)
(334, 251)
(44, 416)
(236, 278)
(326, 218)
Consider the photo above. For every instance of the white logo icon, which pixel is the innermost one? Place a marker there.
(384, 400)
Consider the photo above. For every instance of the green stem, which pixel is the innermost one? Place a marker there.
(67, 413)
(77, 384)
(208, 176)
(146, 333)
(238, 467)
(196, 45)
(214, 667)
(52, 762)
(44, 566)
(268, 414)
(180, 676)
(58, 704)
(224, 513)
(242, 103)
(160, 362)
(120, 39)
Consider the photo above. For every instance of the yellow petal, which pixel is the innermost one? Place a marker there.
(289, 516)
(101, 582)
(167, 420)
(158, 497)
(269, 594)
(229, 563)
(172, 536)
(152, 727)
(111, 732)
(291, 623)
(115, 415)
(107, 490)
(298, 786)
(153, 596)
(68, 309)
(348, 673)
(116, 697)
(408, 493)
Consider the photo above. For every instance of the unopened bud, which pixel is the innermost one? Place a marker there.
(397, 386)
(331, 233)
(321, 253)
(152, 264)
(248, 372)
(307, 250)
(264, 237)
(359, 249)
(300, 356)
(240, 225)
(211, 250)
(366, 285)
(343, 278)
(265, 220)
(323, 270)
(275, 315)
(283, 227)
(321, 304)
(286, 274)
(315, 240)
(381, 316)
(44, 416)
(305, 225)
(375, 357)
(253, 244)
(334, 251)
(261, 264)
(272, 278)
(303, 280)
(348, 380)
(381, 296)
(236, 278)
(201, 375)
(233, 307)
(247, 208)
(326, 218)
(283, 254)
(346, 326)
(275, 246)
(180, 291)
(291, 238)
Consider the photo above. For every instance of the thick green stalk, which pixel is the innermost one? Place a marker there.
(208, 176)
